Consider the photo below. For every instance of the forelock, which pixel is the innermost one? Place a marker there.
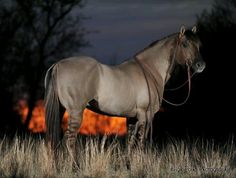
(192, 36)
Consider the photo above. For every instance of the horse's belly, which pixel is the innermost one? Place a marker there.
(116, 93)
(117, 104)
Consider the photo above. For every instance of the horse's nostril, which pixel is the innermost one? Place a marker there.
(198, 65)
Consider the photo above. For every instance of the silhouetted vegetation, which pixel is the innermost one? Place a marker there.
(33, 35)
(217, 30)
(209, 111)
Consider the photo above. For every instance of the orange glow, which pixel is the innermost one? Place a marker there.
(92, 123)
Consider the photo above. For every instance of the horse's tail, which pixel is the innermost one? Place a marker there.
(52, 108)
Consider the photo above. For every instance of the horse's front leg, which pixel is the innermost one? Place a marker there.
(130, 124)
(139, 132)
(70, 137)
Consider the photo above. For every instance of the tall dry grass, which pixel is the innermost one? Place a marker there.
(28, 157)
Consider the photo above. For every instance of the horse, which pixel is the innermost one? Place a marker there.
(130, 89)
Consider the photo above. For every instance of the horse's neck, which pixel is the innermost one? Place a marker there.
(158, 57)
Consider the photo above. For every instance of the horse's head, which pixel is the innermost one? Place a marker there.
(187, 51)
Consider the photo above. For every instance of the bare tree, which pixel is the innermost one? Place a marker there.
(33, 35)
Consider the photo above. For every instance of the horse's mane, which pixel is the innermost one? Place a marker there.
(154, 43)
(188, 33)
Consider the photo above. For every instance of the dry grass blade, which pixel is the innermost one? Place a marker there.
(28, 157)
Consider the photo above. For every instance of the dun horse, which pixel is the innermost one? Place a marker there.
(131, 89)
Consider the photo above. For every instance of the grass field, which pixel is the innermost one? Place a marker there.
(29, 157)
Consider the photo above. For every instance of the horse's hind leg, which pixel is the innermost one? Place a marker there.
(75, 118)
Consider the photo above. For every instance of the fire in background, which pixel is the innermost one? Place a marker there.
(92, 123)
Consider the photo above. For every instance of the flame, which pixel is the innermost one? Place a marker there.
(92, 122)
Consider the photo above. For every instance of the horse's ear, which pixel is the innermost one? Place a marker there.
(194, 29)
(182, 30)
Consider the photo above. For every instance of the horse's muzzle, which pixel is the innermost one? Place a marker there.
(199, 65)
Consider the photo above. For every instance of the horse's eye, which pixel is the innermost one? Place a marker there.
(185, 44)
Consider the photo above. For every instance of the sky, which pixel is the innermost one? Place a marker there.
(121, 28)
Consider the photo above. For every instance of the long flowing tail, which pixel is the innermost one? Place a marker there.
(52, 108)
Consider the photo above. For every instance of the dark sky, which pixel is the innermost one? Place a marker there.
(124, 27)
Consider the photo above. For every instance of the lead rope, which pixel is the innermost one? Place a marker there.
(176, 88)
(149, 70)
(156, 85)
(149, 124)
(149, 103)
(189, 89)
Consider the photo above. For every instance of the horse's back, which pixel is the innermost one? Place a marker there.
(76, 68)
(77, 80)
(78, 60)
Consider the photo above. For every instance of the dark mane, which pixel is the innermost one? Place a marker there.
(192, 36)
(188, 33)
(155, 42)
